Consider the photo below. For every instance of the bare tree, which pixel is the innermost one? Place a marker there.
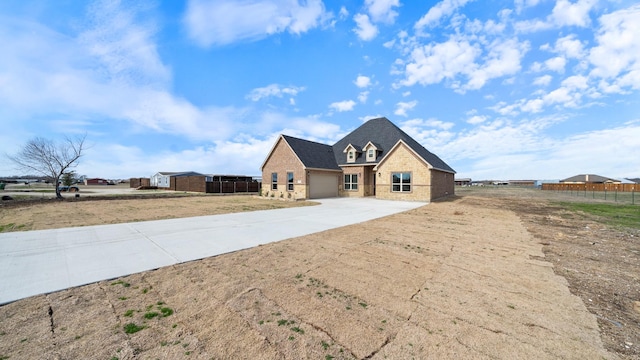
(49, 158)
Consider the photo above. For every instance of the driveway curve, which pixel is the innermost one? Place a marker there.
(43, 261)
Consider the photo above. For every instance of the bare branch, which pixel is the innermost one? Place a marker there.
(48, 158)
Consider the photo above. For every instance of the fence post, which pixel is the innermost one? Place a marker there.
(605, 193)
(616, 194)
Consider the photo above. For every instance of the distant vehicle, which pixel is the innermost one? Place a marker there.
(69, 189)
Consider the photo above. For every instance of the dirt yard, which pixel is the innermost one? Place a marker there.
(481, 276)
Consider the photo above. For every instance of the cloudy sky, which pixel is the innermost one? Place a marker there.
(523, 89)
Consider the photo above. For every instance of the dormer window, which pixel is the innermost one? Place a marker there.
(371, 150)
(352, 153)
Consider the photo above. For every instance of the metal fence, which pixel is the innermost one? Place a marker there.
(615, 196)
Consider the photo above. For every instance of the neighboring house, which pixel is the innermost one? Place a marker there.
(634, 180)
(163, 178)
(96, 181)
(377, 159)
(463, 182)
(589, 179)
(523, 183)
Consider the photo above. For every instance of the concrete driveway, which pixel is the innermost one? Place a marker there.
(43, 261)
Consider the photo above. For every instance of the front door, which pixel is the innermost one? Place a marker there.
(373, 174)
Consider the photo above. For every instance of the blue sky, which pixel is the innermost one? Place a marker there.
(524, 89)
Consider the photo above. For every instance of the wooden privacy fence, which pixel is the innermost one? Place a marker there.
(592, 187)
(230, 187)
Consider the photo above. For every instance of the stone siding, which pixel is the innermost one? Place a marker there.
(402, 159)
(282, 161)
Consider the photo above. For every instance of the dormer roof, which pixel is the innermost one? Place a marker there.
(384, 135)
(372, 145)
(352, 147)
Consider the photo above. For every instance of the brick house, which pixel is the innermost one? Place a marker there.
(377, 159)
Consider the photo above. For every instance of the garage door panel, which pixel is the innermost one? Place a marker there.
(322, 185)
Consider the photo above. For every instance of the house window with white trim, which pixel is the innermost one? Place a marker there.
(274, 181)
(289, 181)
(351, 182)
(401, 182)
(371, 155)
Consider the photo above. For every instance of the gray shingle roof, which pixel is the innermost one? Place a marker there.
(381, 132)
(592, 178)
(312, 154)
(384, 134)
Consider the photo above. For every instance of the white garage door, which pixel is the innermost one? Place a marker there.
(323, 185)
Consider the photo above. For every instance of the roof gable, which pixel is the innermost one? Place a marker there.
(312, 154)
(352, 148)
(385, 135)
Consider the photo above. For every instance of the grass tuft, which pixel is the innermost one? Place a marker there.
(610, 214)
(132, 328)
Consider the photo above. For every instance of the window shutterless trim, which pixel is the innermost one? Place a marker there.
(289, 181)
(404, 182)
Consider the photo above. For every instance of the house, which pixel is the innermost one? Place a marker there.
(589, 179)
(376, 159)
(163, 179)
(96, 181)
(522, 183)
(463, 182)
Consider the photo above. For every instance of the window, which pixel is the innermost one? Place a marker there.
(274, 181)
(290, 181)
(370, 154)
(401, 182)
(351, 156)
(351, 182)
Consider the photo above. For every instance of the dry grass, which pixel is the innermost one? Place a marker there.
(421, 284)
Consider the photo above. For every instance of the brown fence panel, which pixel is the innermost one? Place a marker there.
(592, 187)
(231, 187)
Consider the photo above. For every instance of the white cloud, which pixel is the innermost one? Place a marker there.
(503, 58)
(458, 57)
(343, 12)
(617, 55)
(340, 106)
(221, 22)
(124, 48)
(477, 119)
(553, 158)
(576, 82)
(362, 81)
(382, 10)
(436, 13)
(570, 47)
(523, 4)
(363, 96)
(403, 107)
(432, 63)
(543, 80)
(365, 30)
(566, 13)
(111, 71)
(428, 132)
(556, 64)
(274, 90)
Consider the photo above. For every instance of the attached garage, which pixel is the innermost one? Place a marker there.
(323, 185)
